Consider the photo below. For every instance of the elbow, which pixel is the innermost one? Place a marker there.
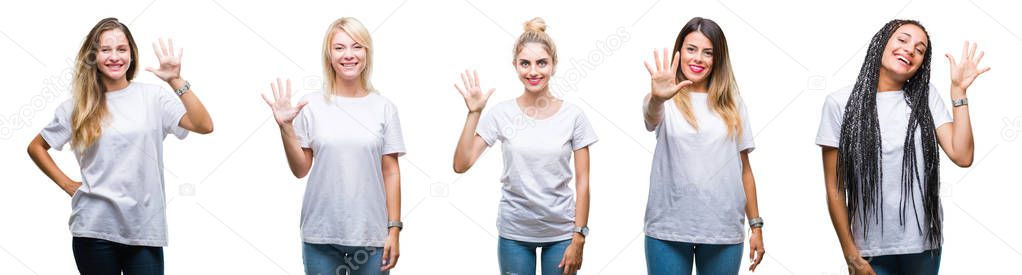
(205, 129)
(964, 163)
(461, 168)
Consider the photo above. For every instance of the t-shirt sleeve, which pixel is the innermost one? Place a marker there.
(171, 112)
(829, 133)
(583, 134)
(938, 109)
(301, 127)
(393, 142)
(746, 140)
(58, 131)
(488, 128)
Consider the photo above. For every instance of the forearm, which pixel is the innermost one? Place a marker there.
(652, 111)
(836, 204)
(962, 141)
(296, 159)
(42, 159)
(194, 109)
(463, 155)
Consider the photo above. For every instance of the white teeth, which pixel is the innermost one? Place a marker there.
(903, 59)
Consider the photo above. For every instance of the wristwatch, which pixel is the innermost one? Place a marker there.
(960, 102)
(582, 230)
(400, 226)
(181, 91)
(756, 222)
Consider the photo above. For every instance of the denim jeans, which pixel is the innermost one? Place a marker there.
(926, 262)
(668, 257)
(519, 258)
(102, 257)
(332, 259)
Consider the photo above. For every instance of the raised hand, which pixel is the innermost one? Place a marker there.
(965, 70)
(283, 112)
(663, 77)
(475, 99)
(170, 64)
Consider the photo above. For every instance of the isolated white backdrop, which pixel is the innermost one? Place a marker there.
(233, 206)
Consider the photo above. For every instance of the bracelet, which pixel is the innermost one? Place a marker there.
(181, 91)
(756, 222)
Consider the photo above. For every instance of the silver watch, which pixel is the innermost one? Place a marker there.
(184, 89)
(756, 222)
(582, 230)
(960, 102)
(400, 226)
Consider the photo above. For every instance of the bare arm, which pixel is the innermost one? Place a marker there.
(298, 159)
(470, 145)
(196, 118)
(956, 137)
(839, 213)
(392, 186)
(572, 259)
(756, 250)
(38, 151)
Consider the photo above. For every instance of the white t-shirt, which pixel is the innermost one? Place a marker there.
(538, 203)
(893, 113)
(345, 200)
(122, 195)
(696, 193)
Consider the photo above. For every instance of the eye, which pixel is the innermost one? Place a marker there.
(541, 63)
(358, 46)
(523, 63)
(690, 49)
(708, 53)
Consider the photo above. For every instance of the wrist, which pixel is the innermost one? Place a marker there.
(175, 82)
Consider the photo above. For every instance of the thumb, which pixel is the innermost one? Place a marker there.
(683, 84)
(301, 105)
(150, 69)
(490, 93)
(386, 255)
(951, 59)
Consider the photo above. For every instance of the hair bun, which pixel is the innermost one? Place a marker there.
(535, 25)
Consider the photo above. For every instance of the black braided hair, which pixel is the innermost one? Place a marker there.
(860, 153)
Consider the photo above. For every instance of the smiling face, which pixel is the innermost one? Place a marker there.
(534, 66)
(113, 55)
(697, 58)
(904, 53)
(347, 57)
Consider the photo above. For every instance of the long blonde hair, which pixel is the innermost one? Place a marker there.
(535, 32)
(723, 90)
(360, 34)
(89, 92)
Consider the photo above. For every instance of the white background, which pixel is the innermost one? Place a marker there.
(233, 206)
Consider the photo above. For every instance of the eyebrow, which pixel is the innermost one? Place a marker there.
(537, 60)
(910, 35)
(694, 46)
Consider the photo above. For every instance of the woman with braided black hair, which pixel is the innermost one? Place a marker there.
(879, 140)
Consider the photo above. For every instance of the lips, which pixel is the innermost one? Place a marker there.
(114, 66)
(696, 68)
(351, 65)
(903, 60)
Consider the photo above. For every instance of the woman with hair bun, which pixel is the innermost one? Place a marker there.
(539, 135)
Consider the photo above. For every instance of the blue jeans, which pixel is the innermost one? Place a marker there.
(926, 262)
(102, 257)
(519, 258)
(667, 257)
(333, 259)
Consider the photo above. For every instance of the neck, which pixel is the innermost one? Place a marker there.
(888, 83)
(348, 88)
(115, 84)
(531, 98)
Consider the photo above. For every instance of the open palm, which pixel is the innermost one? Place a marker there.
(170, 63)
(663, 77)
(475, 99)
(965, 70)
(283, 112)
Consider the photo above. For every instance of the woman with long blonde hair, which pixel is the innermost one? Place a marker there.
(351, 213)
(116, 128)
(701, 184)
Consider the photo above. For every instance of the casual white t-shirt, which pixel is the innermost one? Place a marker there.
(892, 111)
(345, 200)
(122, 195)
(538, 204)
(696, 193)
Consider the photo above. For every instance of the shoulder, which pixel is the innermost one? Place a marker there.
(840, 96)
(65, 108)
